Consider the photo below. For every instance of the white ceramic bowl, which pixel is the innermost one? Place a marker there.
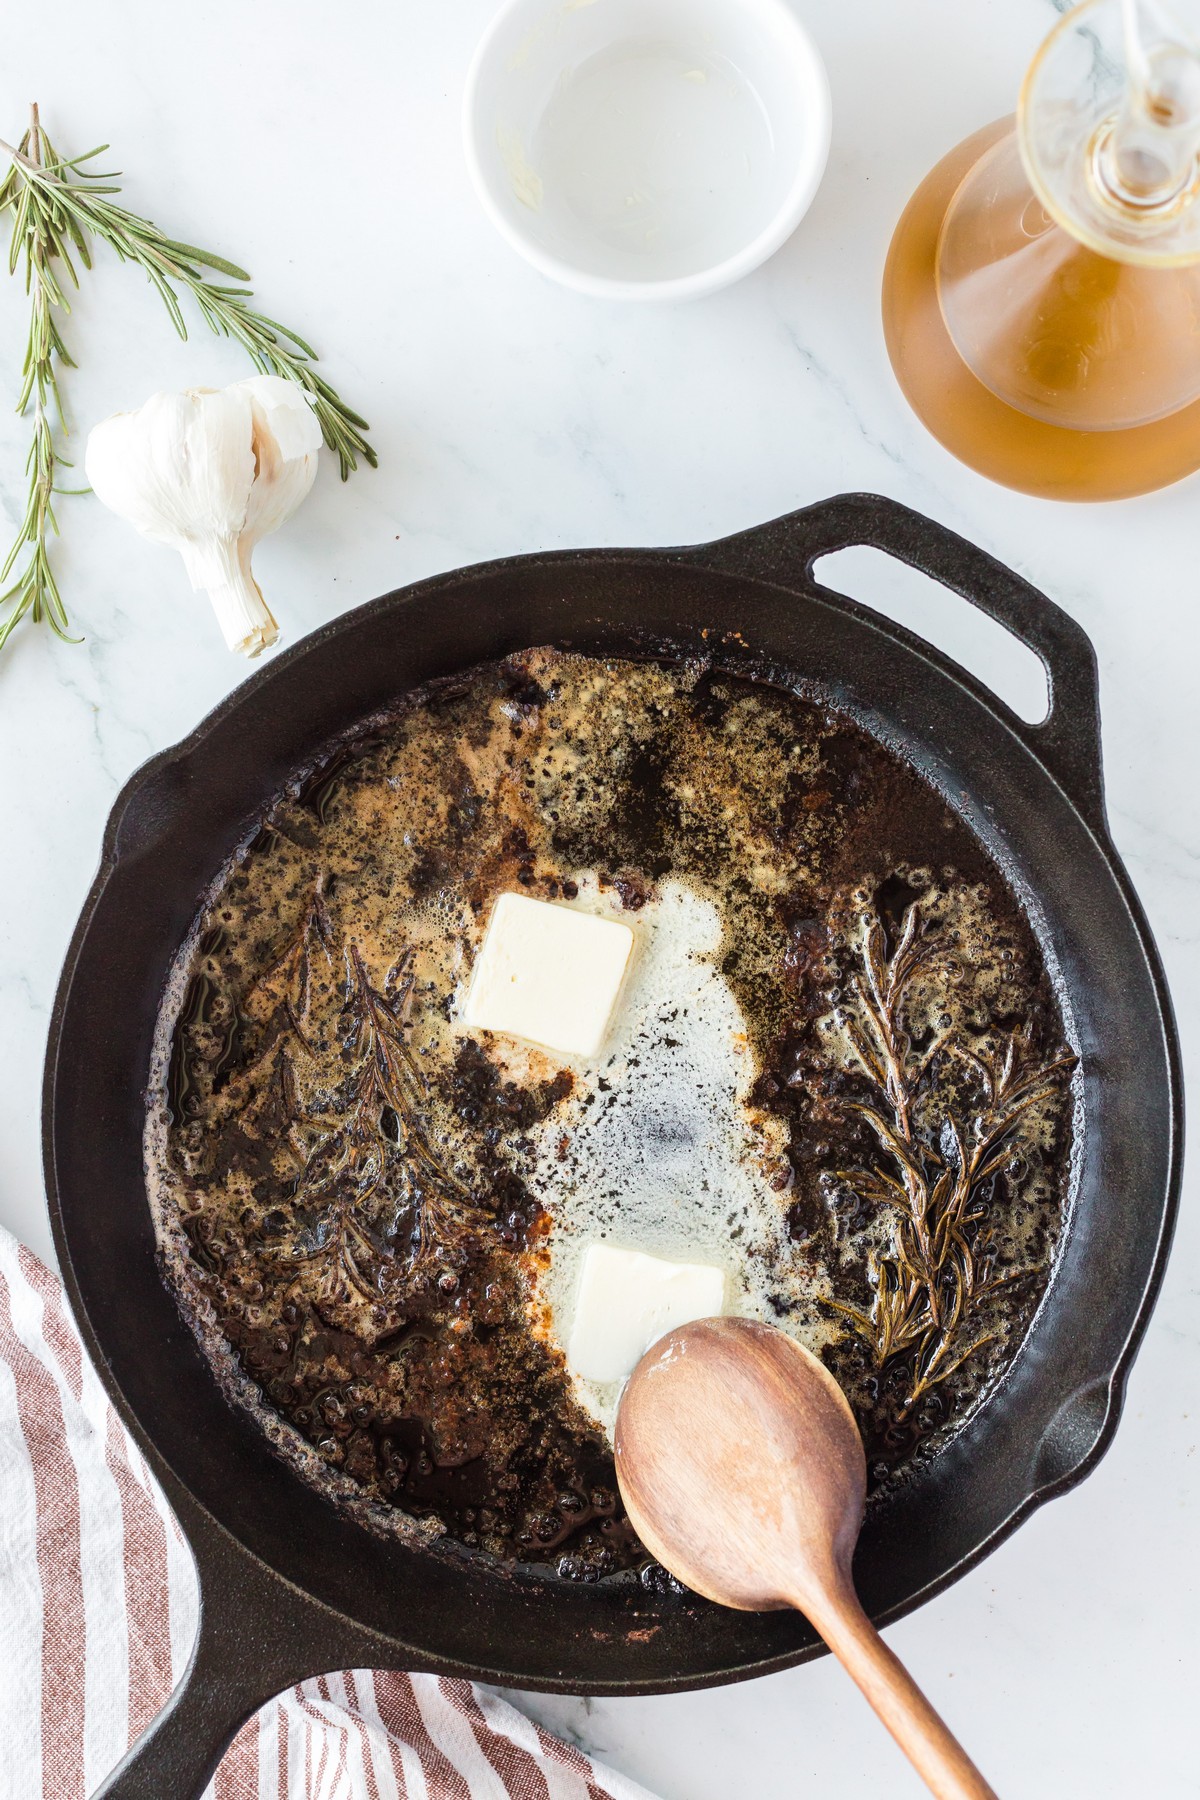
(646, 149)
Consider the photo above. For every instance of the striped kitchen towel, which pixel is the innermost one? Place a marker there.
(98, 1611)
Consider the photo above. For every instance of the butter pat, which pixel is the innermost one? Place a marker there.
(628, 1300)
(549, 974)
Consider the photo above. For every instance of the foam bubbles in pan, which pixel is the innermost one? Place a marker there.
(658, 1149)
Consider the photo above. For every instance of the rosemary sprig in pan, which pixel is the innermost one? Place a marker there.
(57, 206)
(939, 1268)
(374, 1204)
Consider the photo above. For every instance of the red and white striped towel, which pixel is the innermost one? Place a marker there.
(98, 1611)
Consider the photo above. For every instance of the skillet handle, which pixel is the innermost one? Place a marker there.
(1067, 741)
(257, 1636)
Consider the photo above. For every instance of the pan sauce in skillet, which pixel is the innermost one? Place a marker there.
(837, 1068)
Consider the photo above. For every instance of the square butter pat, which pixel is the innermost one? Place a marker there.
(549, 974)
(628, 1300)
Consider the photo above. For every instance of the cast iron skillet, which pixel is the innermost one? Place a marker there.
(289, 1587)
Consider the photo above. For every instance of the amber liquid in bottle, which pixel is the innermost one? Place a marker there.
(1086, 358)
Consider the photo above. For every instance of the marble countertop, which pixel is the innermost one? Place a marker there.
(322, 145)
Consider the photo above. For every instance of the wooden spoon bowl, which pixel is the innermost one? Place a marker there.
(743, 1472)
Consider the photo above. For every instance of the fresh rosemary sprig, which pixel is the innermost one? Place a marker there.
(39, 237)
(77, 204)
(57, 205)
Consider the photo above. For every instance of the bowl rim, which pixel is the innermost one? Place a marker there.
(742, 261)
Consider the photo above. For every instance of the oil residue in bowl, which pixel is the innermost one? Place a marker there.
(660, 153)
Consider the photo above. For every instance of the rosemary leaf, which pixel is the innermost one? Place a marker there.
(37, 238)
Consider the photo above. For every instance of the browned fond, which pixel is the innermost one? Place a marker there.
(346, 1183)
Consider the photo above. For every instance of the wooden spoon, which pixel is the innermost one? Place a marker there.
(743, 1472)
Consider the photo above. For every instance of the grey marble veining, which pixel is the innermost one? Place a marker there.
(321, 147)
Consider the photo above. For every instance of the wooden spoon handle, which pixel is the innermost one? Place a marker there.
(921, 1733)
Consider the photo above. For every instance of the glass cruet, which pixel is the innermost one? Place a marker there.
(1042, 292)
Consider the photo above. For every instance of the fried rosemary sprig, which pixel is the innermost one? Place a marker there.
(375, 1208)
(39, 237)
(927, 1287)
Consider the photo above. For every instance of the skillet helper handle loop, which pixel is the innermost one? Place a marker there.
(886, 1684)
(1067, 741)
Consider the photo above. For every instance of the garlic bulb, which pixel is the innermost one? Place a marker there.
(211, 472)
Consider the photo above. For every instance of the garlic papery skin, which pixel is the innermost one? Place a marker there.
(210, 472)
